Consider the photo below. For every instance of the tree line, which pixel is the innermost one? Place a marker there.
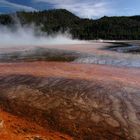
(52, 21)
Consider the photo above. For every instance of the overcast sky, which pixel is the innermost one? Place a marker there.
(82, 8)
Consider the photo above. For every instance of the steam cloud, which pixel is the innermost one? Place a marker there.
(31, 36)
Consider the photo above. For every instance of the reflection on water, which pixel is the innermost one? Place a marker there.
(127, 56)
(132, 59)
(108, 60)
(125, 48)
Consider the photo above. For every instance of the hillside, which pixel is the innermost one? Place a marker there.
(61, 20)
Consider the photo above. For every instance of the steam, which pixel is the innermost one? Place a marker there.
(19, 36)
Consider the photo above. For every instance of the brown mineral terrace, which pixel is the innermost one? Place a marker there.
(17, 128)
(81, 100)
(71, 70)
(69, 100)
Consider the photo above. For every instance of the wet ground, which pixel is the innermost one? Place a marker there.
(116, 54)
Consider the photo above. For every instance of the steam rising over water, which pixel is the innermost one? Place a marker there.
(31, 36)
(23, 38)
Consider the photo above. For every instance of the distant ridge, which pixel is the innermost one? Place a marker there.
(52, 21)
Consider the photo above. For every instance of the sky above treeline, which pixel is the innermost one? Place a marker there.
(82, 8)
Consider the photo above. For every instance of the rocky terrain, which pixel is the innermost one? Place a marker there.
(68, 100)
